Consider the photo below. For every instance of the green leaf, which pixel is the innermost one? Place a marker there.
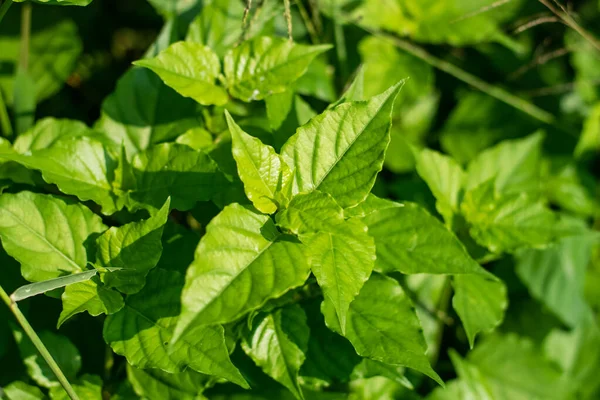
(33, 289)
(173, 7)
(410, 240)
(240, 249)
(219, 27)
(21, 391)
(143, 111)
(86, 387)
(169, 170)
(508, 223)
(48, 131)
(445, 177)
(191, 69)
(382, 325)
(126, 254)
(278, 107)
(266, 65)
(62, 350)
(340, 155)
(341, 253)
(79, 166)
(589, 141)
(556, 276)
(514, 165)
(46, 234)
(143, 329)
(154, 384)
(511, 368)
(90, 296)
(267, 178)
(480, 302)
(53, 54)
(277, 344)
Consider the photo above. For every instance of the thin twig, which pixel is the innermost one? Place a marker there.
(539, 60)
(534, 23)
(451, 69)
(39, 345)
(288, 18)
(558, 89)
(481, 10)
(310, 27)
(245, 23)
(25, 36)
(4, 6)
(566, 17)
(316, 15)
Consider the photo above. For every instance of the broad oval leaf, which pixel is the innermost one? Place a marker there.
(127, 253)
(267, 178)
(46, 234)
(142, 330)
(382, 325)
(79, 166)
(278, 343)
(241, 262)
(169, 170)
(266, 65)
(341, 151)
(143, 111)
(191, 69)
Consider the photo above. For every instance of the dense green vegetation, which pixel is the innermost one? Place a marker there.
(310, 199)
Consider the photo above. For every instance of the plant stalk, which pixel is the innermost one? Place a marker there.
(4, 6)
(451, 69)
(39, 345)
(288, 18)
(571, 23)
(4, 118)
(25, 36)
(308, 22)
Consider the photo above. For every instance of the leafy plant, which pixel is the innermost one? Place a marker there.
(240, 216)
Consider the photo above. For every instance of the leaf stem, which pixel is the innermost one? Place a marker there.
(288, 18)
(308, 22)
(570, 22)
(39, 345)
(25, 36)
(451, 69)
(340, 47)
(4, 118)
(4, 8)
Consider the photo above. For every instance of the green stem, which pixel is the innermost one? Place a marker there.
(4, 8)
(25, 36)
(340, 47)
(569, 21)
(310, 27)
(288, 18)
(39, 345)
(451, 69)
(4, 118)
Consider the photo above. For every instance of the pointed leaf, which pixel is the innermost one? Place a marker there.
(143, 329)
(126, 254)
(382, 325)
(90, 296)
(266, 177)
(341, 253)
(266, 65)
(480, 303)
(46, 234)
(87, 387)
(410, 240)
(21, 391)
(278, 343)
(444, 176)
(33, 289)
(79, 166)
(341, 151)
(191, 69)
(241, 262)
